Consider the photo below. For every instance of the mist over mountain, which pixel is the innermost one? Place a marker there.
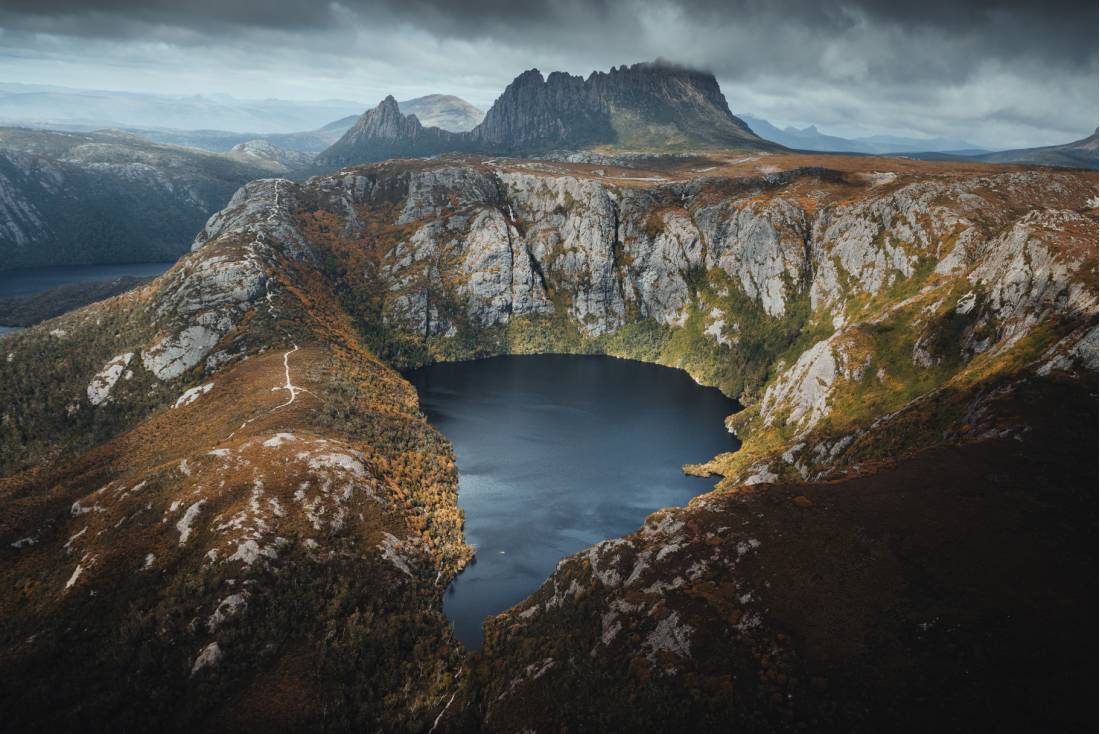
(810, 138)
(1077, 154)
(53, 105)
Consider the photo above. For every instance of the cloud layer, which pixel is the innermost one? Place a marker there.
(994, 73)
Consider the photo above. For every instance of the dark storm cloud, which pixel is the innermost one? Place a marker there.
(1059, 29)
(931, 66)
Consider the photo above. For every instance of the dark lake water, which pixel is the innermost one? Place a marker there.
(556, 453)
(36, 280)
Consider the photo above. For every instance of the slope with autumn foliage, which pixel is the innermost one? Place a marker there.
(224, 510)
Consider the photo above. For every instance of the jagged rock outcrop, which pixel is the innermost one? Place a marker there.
(645, 106)
(384, 132)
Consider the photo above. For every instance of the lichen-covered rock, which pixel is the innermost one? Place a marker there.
(500, 281)
(1027, 279)
(802, 392)
(99, 389)
(258, 210)
(762, 245)
(173, 355)
(571, 230)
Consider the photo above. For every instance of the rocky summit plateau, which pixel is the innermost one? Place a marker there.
(224, 510)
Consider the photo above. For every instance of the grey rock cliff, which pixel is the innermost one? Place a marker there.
(651, 105)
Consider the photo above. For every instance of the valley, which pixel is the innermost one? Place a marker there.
(32, 295)
(227, 509)
(474, 368)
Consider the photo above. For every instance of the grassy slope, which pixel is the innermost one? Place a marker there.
(306, 651)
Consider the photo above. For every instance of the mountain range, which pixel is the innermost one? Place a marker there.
(1077, 154)
(810, 138)
(647, 106)
(93, 198)
(442, 110)
(53, 106)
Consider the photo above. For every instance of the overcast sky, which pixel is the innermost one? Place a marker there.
(1000, 74)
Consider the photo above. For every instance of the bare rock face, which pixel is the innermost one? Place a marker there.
(536, 112)
(649, 105)
(436, 191)
(489, 245)
(805, 388)
(383, 132)
(570, 237)
(501, 281)
(762, 245)
(629, 104)
(1027, 281)
(259, 211)
(658, 268)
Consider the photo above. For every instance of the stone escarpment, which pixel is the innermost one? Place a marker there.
(716, 272)
(651, 106)
(873, 324)
(231, 454)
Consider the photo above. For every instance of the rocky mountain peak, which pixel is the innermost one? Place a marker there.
(386, 121)
(646, 106)
(649, 105)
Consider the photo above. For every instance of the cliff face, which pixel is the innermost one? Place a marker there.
(383, 132)
(646, 106)
(536, 113)
(230, 454)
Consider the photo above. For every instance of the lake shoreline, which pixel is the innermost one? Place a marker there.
(557, 453)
